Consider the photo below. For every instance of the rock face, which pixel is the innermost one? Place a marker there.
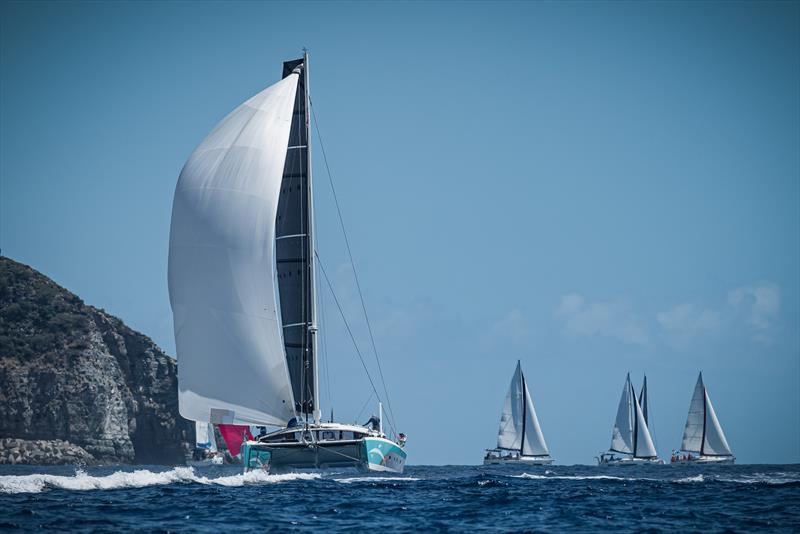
(74, 373)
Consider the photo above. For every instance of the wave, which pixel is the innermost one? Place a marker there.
(138, 479)
(352, 480)
(690, 480)
(774, 479)
(577, 477)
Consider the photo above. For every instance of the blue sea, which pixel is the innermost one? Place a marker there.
(742, 498)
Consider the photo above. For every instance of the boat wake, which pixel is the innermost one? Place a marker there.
(142, 478)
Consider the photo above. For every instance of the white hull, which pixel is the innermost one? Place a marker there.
(524, 460)
(605, 460)
(720, 460)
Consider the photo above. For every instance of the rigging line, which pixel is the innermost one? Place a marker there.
(361, 411)
(352, 263)
(323, 328)
(347, 326)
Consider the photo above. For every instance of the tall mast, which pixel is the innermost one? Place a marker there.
(705, 408)
(524, 409)
(635, 419)
(312, 263)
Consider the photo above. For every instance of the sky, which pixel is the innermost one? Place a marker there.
(591, 188)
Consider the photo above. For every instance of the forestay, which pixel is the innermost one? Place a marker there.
(232, 365)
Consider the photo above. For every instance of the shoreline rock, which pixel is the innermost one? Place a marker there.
(42, 452)
(75, 374)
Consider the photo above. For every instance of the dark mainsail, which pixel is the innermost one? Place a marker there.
(293, 247)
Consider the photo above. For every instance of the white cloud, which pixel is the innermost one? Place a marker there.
(513, 326)
(614, 319)
(760, 304)
(686, 321)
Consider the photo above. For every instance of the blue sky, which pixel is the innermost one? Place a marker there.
(592, 188)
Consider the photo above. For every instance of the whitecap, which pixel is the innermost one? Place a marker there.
(690, 480)
(139, 478)
(574, 477)
(375, 479)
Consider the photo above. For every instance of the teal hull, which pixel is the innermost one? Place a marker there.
(370, 453)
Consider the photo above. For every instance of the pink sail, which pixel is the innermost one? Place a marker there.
(234, 435)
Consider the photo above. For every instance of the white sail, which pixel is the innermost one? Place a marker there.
(204, 436)
(693, 431)
(510, 434)
(644, 447)
(533, 443)
(643, 404)
(622, 435)
(715, 442)
(232, 365)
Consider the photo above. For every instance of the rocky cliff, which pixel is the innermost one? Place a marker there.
(77, 385)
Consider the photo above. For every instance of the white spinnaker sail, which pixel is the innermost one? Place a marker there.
(232, 364)
(510, 434)
(533, 443)
(715, 442)
(204, 436)
(622, 435)
(693, 431)
(644, 442)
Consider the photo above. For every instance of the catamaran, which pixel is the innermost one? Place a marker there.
(205, 448)
(703, 438)
(242, 287)
(631, 442)
(520, 438)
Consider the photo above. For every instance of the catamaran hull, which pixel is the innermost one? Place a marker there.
(370, 454)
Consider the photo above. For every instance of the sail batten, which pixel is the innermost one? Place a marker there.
(232, 364)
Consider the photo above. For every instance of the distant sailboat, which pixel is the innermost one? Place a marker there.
(520, 438)
(242, 270)
(703, 438)
(205, 451)
(631, 442)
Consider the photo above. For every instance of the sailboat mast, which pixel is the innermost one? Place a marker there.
(312, 263)
(705, 408)
(635, 419)
(524, 414)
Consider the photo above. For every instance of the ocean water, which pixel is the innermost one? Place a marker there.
(452, 498)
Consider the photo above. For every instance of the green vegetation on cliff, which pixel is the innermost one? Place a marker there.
(74, 373)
